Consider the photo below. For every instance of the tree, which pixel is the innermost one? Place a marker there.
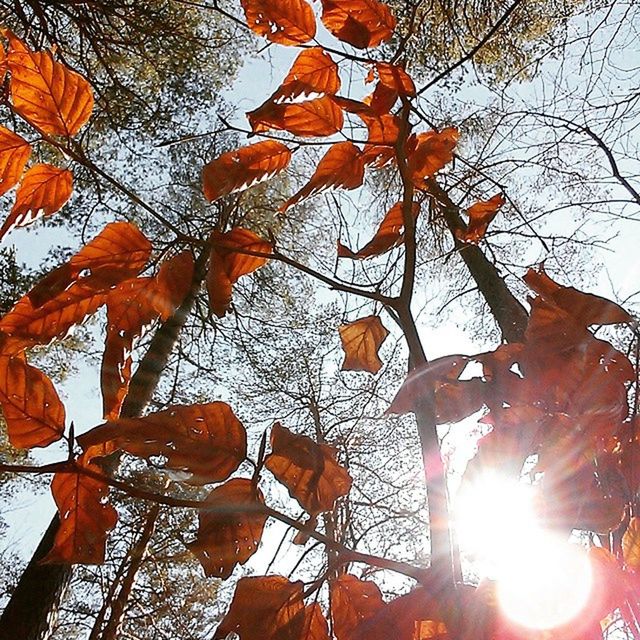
(552, 390)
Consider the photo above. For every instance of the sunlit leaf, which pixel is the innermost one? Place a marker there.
(353, 602)
(382, 100)
(342, 166)
(480, 216)
(361, 23)
(206, 441)
(85, 517)
(47, 93)
(43, 191)
(14, 153)
(394, 77)
(307, 469)
(289, 22)
(237, 170)
(313, 72)
(390, 234)
(230, 527)
(429, 152)
(361, 341)
(31, 407)
(631, 544)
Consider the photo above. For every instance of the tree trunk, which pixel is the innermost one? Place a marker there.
(33, 605)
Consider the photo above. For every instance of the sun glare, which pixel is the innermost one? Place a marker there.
(542, 581)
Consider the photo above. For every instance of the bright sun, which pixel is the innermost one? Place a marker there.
(542, 581)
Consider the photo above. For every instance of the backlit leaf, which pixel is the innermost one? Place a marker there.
(230, 527)
(312, 118)
(307, 624)
(480, 216)
(43, 191)
(47, 93)
(342, 166)
(227, 264)
(313, 72)
(383, 134)
(390, 234)
(361, 23)
(429, 152)
(237, 170)
(14, 153)
(261, 607)
(307, 469)
(631, 544)
(30, 405)
(204, 440)
(353, 602)
(394, 77)
(382, 99)
(85, 517)
(361, 341)
(288, 22)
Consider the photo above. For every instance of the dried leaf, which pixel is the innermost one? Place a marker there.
(313, 72)
(383, 135)
(396, 79)
(238, 170)
(361, 341)
(230, 527)
(353, 602)
(289, 22)
(261, 607)
(307, 624)
(31, 407)
(631, 544)
(312, 118)
(85, 517)
(47, 93)
(227, 264)
(390, 234)
(342, 166)
(382, 99)
(204, 440)
(480, 216)
(307, 469)
(14, 153)
(361, 23)
(43, 191)
(429, 152)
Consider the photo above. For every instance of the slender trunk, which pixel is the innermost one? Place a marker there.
(33, 605)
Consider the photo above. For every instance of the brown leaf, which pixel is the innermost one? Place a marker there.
(480, 216)
(361, 341)
(204, 440)
(237, 170)
(429, 152)
(390, 234)
(353, 602)
(341, 167)
(31, 407)
(230, 527)
(631, 544)
(307, 469)
(14, 153)
(313, 72)
(382, 99)
(85, 517)
(307, 624)
(395, 78)
(289, 22)
(261, 607)
(361, 23)
(227, 264)
(43, 191)
(312, 118)
(47, 93)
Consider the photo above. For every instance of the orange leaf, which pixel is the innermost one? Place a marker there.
(313, 72)
(383, 135)
(205, 440)
(308, 470)
(289, 22)
(361, 341)
(85, 517)
(30, 405)
(307, 624)
(230, 527)
(43, 191)
(48, 94)
(631, 544)
(353, 602)
(341, 166)
(480, 216)
(390, 234)
(395, 78)
(313, 118)
(237, 170)
(261, 607)
(361, 23)
(226, 264)
(382, 99)
(14, 153)
(429, 152)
